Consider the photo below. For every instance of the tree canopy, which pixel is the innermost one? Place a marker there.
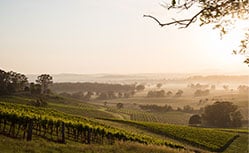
(221, 13)
(12, 82)
(44, 80)
(222, 114)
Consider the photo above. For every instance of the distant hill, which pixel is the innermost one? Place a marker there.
(145, 78)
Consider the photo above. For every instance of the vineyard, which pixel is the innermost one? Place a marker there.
(139, 115)
(210, 139)
(81, 110)
(21, 121)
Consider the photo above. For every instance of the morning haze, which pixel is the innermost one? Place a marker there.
(124, 76)
(106, 37)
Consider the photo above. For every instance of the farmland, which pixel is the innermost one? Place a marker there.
(137, 121)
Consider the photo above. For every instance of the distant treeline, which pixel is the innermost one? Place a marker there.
(167, 108)
(90, 87)
(219, 78)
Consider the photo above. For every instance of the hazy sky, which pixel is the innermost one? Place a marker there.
(106, 36)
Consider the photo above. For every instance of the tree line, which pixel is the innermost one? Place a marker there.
(87, 96)
(167, 108)
(91, 87)
(162, 93)
(13, 82)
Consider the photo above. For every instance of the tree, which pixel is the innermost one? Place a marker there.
(159, 85)
(225, 87)
(120, 105)
(169, 93)
(222, 114)
(140, 87)
(3, 82)
(221, 13)
(195, 120)
(188, 109)
(179, 93)
(44, 80)
(201, 93)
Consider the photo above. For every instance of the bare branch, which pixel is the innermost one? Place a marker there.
(185, 22)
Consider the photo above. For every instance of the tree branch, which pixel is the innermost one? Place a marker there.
(184, 22)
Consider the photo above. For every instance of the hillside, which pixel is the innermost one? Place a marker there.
(107, 134)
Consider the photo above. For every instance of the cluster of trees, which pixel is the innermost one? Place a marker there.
(87, 96)
(139, 87)
(220, 114)
(199, 93)
(78, 95)
(91, 87)
(243, 89)
(113, 95)
(162, 93)
(166, 108)
(186, 109)
(197, 86)
(13, 82)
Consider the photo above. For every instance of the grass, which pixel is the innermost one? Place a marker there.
(16, 99)
(239, 145)
(10, 145)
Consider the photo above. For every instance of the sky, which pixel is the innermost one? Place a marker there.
(108, 36)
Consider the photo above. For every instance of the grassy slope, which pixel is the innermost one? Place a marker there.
(240, 145)
(9, 145)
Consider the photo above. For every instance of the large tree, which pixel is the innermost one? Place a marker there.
(222, 114)
(221, 13)
(44, 80)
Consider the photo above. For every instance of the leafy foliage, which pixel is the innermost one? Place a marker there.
(222, 114)
(12, 82)
(44, 80)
